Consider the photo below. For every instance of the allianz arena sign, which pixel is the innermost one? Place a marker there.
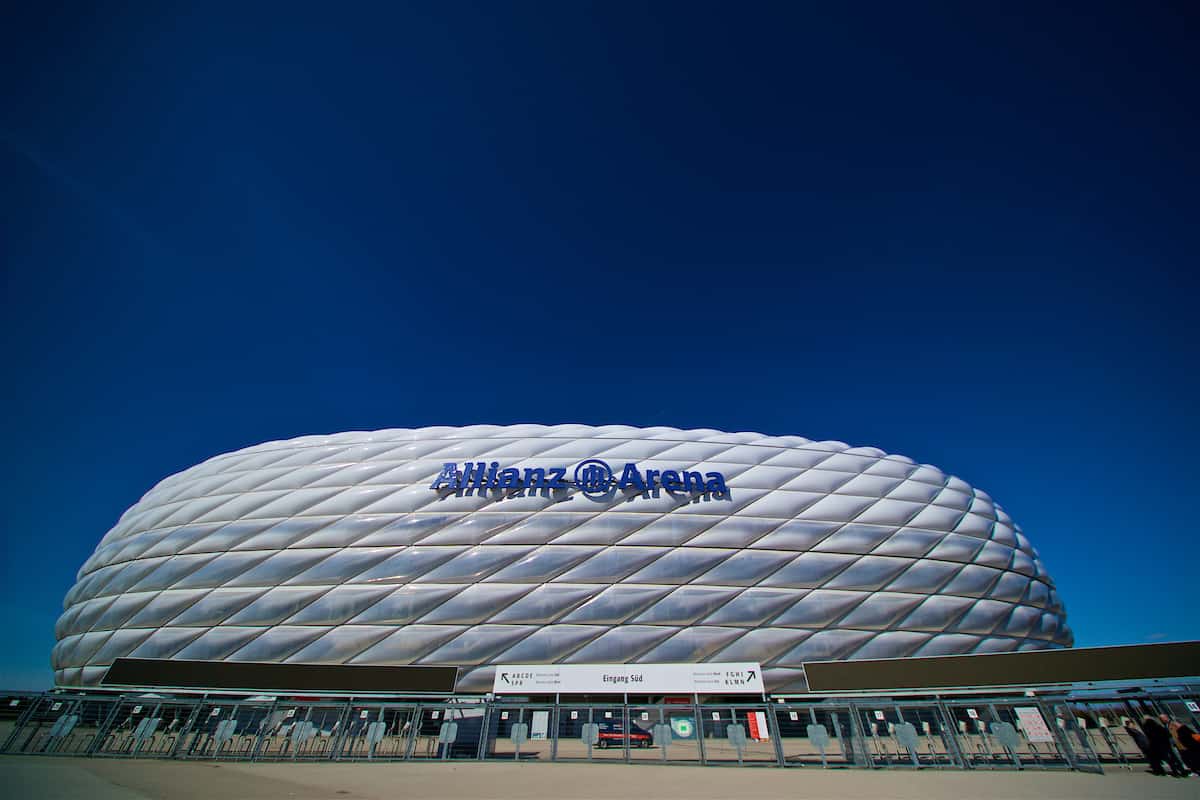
(592, 477)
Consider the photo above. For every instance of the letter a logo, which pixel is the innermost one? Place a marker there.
(448, 478)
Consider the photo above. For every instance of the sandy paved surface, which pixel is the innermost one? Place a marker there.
(99, 779)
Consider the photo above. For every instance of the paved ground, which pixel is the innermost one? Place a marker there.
(98, 779)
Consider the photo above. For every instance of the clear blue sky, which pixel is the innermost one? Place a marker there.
(965, 234)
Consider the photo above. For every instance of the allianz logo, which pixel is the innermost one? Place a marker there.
(592, 477)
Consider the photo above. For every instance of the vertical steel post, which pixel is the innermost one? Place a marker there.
(625, 717)
(485, 727)
(773, 730)
(343, 725)
(1060, 736)
(553, 723)
(98, 739)
(23, 720)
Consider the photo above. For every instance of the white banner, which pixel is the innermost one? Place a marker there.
(540, 726)
(716, 678)
(1033, 724)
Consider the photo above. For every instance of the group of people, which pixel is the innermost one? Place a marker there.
(1166, 741)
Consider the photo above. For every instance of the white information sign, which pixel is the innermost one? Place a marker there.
(540, 726)
(972, 713)
(715, 678)
(879, 716)
(1034, 725)
(1191, 706)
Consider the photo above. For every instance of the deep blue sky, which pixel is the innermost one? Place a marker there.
(966, 234)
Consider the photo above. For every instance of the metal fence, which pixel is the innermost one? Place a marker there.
(962, 732)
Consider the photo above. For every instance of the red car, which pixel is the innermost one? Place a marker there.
(612, 734)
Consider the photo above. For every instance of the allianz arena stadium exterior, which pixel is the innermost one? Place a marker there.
(525, 544)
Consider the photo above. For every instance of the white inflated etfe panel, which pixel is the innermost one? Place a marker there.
(334, 549)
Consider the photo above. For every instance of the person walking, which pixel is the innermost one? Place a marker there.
(1139, 739)
(1189, 747)
(1160, 748)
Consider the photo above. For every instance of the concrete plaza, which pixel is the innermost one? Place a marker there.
(34, 778)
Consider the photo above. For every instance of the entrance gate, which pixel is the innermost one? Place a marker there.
(146, 728)
(739, 734)
(293, 732)
(446, 731)
(57, 725)
(225, 730)
(664, 734)
(821, 736)
(907, 734)
(520, 732)
(977, 733)
(377, 732)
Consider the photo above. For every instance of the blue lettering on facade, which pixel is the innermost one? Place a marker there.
(631, 479)
(592, 477)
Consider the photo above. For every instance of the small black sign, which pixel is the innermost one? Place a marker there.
(180, 674)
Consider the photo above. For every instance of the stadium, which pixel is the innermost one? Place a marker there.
(470, 547)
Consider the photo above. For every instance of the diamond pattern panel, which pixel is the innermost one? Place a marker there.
(333, 549)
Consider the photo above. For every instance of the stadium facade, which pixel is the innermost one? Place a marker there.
(526, 544)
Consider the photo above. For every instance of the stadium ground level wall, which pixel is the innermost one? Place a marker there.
(1080, 728)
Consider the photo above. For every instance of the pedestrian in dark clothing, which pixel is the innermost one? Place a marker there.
(1138, 737)
(1160, 748)
(1189, 748)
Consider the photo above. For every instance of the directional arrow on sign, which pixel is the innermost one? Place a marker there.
(751, 673)
(504, 677)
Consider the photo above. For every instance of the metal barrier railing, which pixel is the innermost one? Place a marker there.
(945, 732)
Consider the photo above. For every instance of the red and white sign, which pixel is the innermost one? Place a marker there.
(758, 726)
